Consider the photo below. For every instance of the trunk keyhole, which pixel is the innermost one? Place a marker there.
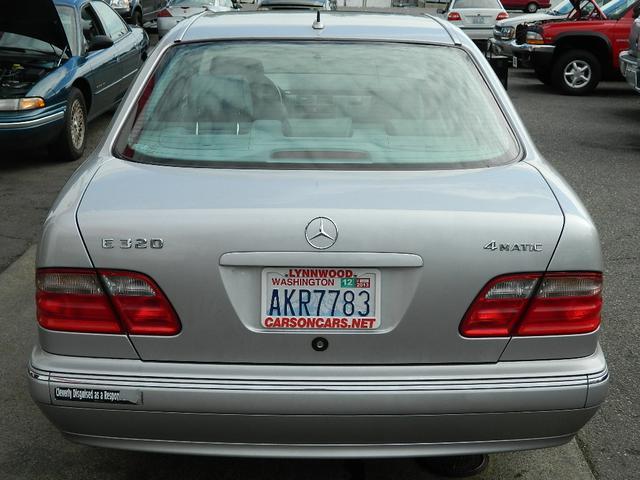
(319, 344)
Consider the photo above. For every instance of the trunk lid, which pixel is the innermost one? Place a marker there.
(424, 231)
(478, 17)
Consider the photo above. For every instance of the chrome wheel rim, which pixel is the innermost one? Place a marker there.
(531, 8)
(577, 73)
(77, 125)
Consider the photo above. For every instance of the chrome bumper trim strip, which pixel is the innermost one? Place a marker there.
(32, 123)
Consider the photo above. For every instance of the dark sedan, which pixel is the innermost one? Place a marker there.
(62, 63)
(138, 12)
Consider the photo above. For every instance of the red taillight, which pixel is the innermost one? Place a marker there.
(74, 300)
(499, 306)
(502, 16)
(536, 304)
(164, 13)
(454, 17)
(141, 305)
(87, 301)
(564, 304)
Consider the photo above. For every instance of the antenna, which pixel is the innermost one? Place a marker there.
(318, 25)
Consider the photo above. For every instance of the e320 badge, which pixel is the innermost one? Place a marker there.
(127, 243)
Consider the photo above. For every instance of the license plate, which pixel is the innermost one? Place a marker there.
(320, 298)
(514, 61)
(477, 20)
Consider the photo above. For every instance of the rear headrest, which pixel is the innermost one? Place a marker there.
(222, 98)
(236, 66)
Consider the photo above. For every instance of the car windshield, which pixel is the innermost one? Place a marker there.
(476, 4)
(617, 8)
(563, 8)
(317, 105)
(67, 16)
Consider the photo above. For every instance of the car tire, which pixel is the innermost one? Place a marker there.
(576, 72)
(72, 141)
(531, 7)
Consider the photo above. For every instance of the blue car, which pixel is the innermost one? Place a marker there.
(62, 63)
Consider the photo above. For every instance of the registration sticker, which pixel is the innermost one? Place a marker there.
(320, 299)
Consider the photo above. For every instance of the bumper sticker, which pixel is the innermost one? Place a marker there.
(73, 394)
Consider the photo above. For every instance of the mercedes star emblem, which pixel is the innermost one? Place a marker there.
(321, 233)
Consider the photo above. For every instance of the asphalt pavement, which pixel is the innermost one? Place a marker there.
(594, 142)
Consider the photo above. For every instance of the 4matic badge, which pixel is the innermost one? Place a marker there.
(513, 247)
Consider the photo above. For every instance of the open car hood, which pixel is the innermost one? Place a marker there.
(34, 18)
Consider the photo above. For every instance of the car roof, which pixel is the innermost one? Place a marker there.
(336, 25)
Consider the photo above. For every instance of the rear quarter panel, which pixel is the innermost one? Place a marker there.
(578, 250)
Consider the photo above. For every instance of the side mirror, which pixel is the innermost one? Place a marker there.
(99, 42)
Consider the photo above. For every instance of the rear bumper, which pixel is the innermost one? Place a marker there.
(314, 411)
(630, 69)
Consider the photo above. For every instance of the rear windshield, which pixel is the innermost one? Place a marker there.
(476, 4)
(316, 105)
(190, 3)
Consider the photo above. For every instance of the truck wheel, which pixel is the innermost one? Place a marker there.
(73, 139)
(576, 72)
(532, 7)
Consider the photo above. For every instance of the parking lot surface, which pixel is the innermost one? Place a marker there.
(595, 144)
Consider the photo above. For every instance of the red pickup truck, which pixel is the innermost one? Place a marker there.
(575, 54)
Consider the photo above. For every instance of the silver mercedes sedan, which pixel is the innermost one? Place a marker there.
(318, 237)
